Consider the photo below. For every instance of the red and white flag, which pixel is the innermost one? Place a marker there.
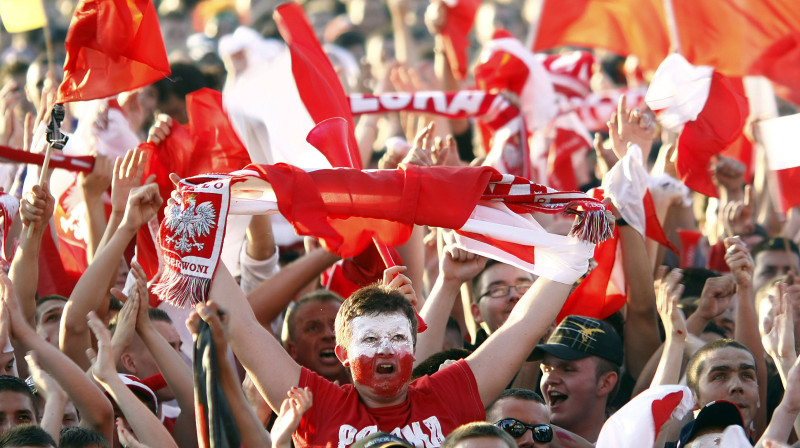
(455, 33)
(638, 423)
(346, 209)
(779, 137)
(707, 110)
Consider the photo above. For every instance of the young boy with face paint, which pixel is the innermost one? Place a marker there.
(376, 333)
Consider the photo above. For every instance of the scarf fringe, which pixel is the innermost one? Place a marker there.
(592, 227)
(180, 290)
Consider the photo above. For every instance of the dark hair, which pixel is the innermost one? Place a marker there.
(77, 437)
(775, 244)
(185, 79)
(694, 280)
(159, 315)
(519, 394)
(452, 324)
(696, 362)
(603, 366)
(373, 300)
(432, 364)
(10, 383)
(26, 435)
(45, 299)
(477, 429)
(477, 279)
(319, 296)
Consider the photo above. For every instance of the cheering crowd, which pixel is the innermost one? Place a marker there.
(566, 248)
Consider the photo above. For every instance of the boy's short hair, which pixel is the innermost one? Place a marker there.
(26, 435)
(371, 301)
(9, 383)
(695, 364)
(77, 437)
(477, 429)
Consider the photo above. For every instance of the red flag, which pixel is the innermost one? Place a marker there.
(460, 17)
(779, 136)
(207, 144)
(317, 83)
(112, 46)
(781, 64)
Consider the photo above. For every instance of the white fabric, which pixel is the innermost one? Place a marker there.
(538, 98)
(632, 426)
(678, 91)
(626, 185)
(559, 258)
(254, 272)
(779, 137)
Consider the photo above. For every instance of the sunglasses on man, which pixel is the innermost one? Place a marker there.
(541, 433)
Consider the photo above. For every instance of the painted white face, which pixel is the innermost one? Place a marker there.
(384, 334)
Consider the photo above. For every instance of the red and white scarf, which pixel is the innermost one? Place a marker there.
(346, 208)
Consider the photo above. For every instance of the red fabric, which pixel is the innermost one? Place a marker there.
(502, 71)
(112, 46)
(83, 164)
(620, 26)
(716, 258)
(348, 275)
(662, 410)
(718, 125)
(455, 32)
(53, 277)
(789, 184)
(571, 72)
(207, 144)
(591, 298)
(781, 64)
(653, 229)
(436, 405)
(560, 170)
(389, 205)
(317, 82)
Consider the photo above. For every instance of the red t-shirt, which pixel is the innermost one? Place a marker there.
(436, 405)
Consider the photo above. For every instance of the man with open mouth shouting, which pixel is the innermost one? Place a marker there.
(376, 335)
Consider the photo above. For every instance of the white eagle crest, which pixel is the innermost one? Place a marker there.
(189, 223)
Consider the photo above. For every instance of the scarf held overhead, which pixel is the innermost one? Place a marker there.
(346, 208)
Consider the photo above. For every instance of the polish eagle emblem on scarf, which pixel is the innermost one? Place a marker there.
(189, 223)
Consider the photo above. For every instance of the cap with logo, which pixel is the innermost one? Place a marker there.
(578, 337)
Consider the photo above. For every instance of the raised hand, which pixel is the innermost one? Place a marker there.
(292, 409)
(778, 337)
(667, 295)
(459, 265)
(738, 259)
(160, 130)
(11, 127)
(97, 182)
(729, 174)
(143, 203)
(103, 363)
(631, 127)
(127, 175)
(36, 207)
(717, 296)
(126, 321)
(421, 153)
(738, 216)
(394, 279)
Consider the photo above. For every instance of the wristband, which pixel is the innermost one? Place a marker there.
(620, 222)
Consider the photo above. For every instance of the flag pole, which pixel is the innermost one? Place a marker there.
(672, 27)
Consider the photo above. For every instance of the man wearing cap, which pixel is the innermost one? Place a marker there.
(580, 370)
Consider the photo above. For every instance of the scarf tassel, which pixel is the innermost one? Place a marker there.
(179, 289)
(593, 226)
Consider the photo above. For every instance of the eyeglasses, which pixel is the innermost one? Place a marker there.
(541, 433)
(497, 291)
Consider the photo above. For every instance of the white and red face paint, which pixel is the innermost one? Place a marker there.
(381, 352)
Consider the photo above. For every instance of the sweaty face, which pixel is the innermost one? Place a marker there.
(526, 411)
(381, 353)
(315, 339)
(16, 408)
(772, 263)
(569, 388)
(729, 374)
(495, 310)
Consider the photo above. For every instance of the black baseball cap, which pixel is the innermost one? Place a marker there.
(382, 440)
(715, 415)
(578, 337)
